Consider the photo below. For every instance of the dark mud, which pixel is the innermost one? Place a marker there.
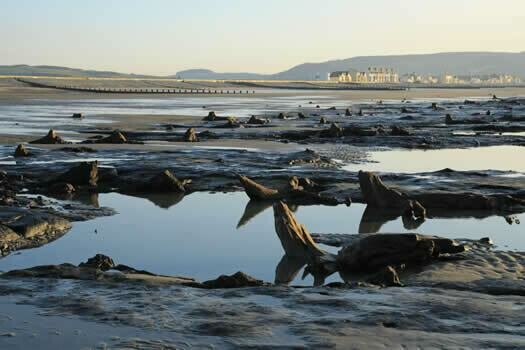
(474, 299)
(416, 125)
(145, 315)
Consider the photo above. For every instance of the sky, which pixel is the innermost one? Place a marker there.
(262, 36)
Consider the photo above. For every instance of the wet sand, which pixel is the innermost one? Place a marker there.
(162, 229)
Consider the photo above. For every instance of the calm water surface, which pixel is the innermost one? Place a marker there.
(414, 161)
(198, 236)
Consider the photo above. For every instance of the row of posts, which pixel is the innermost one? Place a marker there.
(158, 91)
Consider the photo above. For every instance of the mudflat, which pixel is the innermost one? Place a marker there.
(280, 218)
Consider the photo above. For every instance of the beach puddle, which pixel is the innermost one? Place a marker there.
(205, 235)
(504, 158)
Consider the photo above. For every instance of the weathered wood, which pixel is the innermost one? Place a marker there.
(258, 192)
(295, 238)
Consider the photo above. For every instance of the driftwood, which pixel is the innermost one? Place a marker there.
(211, 117)
(378, 195)
(300, 249)
(115, 137)
(190, 135)
(21, 151)
(166, 182)
(373, 252)
(85, 173)
(50, 138)
(373, 258)
(295, 239)
(258, 192)
(297, 190)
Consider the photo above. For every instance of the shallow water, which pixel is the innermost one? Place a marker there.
(198, 236)
(504, 158)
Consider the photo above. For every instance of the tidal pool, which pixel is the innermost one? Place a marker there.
(504, 158)
(203, 235)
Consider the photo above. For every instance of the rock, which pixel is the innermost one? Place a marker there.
(302, 115)
(79, 149)
(213, 117)
(206, 134)
(358, 131)
(399, 131)
(257, 121)
(237, 280)
(332, 108)
(63, 271)
(386, 277)
(21, 151)
(348, 113)
(31, 224)
(450, 121)
(323, 120)
(85, 173)
(100, 262)
(51, 139)
(191, 135)
(231, 123)
(334, 131)
(258, 192)
(7, 236)
(116, 137)
(166, 182)
(77, 116)
(435, 107)
(486, 241)
(95, 269)
(61, 188)
(107, 174)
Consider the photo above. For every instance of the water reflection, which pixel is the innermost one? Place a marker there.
(373, 219)
(197, 236)
(252, 209)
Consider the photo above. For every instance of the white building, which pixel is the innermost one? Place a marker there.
(380, 75)
(340, 77)
(373, 75)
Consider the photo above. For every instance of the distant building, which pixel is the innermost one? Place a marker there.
(373, 75)
(340, 77)
(382, 75)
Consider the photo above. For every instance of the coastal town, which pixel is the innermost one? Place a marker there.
(388, 75)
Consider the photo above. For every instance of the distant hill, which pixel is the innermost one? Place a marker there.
(55, 71)
(209, 74)
(460, 63)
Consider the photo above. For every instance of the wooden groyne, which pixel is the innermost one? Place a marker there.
(107, 90)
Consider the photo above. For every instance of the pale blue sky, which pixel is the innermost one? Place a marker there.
(165, 36)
